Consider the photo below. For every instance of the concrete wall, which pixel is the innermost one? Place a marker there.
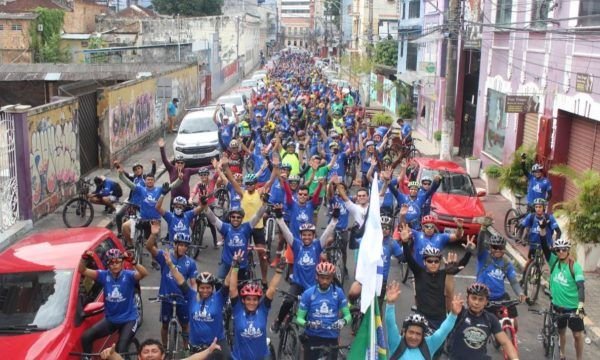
(54, 154)
(14, 44)
(81, 20)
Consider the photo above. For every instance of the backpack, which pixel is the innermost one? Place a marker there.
(570, 261)
(403, 346)
(118, 190)
(489, 261)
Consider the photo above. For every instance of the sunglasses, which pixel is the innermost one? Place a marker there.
(496, 247)
(429, 226)
(432, 261)
(425, 183)
(302, 194)
(561, 250)
(115, 262)
(235, 217)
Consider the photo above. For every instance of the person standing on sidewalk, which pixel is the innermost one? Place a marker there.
(172, 115)
(174, 170)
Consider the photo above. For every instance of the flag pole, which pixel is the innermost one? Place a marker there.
(373, 342)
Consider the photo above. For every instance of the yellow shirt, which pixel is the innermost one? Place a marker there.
(251, 203)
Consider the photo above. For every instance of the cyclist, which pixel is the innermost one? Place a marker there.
(137, 177)
(416, 340)
(434, 286)
(186, 267)
(107, 193)
(493, 268)
(426, 183)
(119, 286)
(342, 225)
(250, 314)
(538, 186)
(319, 309)
(429, 236)
(474, 325)
(568, 290)
(180, 220)
(531, 222)
(235, 156)
(414, 200)
(203, 187)
(177, 171)
(152, 349)
(306, 257)
(226, 129)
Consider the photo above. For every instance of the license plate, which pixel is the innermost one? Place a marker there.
(449, 231)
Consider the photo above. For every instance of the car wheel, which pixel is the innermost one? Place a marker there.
(139, 305)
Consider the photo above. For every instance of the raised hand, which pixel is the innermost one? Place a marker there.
(161, 142)
(451, 259)
(155, 227)
(238, 256)
(457, 304)
(470, 244)
(392, 292)
(214, 346)
(167, 258)
(108, 353)
(405, 233)
(404, 209)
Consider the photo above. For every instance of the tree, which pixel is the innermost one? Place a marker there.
(386, 53)
(188, 7)
(45, 44)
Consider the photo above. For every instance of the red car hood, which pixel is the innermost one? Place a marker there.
(457, 205)
(50, 344)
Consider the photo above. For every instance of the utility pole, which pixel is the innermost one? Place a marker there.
(447, 143)
(178, 39)
(369, 51)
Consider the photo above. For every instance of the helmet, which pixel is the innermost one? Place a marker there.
(307, 227)
(478, 289)
(286, 166)
(426, 178)
(540, 201)
(114, 254)
(290, 143)
(333, 144)
(178, 157)
(203, 171)
(234, 144)
(431, 251)
(205, 278)
(237, 176)
(416, 320)
(369, 143)
(250, 179)
(413, 184)
(137, 164)
(325, 268)
(537, 167)
(387, 159)
(427, 219)
(180, 200)
(561, 244)
(181, 238)
(251, 290)
(237, 210)
(386, 220)
(496, 240)
(301, 133)
(294, 178)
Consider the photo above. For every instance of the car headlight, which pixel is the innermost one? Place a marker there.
(178, 148)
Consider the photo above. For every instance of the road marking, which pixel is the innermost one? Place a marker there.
(465, 276)
(148, 288)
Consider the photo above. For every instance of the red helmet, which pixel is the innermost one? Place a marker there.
(251, 290)
(325, 268)
(427, 219)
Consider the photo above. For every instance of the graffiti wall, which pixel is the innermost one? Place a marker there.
(54, 155)
(182, 84)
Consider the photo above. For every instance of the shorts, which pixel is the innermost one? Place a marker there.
(166, 312)
(574, 323)
(223, 270)
(512, 310)
(258, 236)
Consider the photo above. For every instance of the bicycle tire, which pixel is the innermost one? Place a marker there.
(250, 269)
(338, 261)
(222, 202)
(413, 153)
(510, 333)
(197, 238)
(554, 347)
(403, 268)
(546, 330)
(172, 342)
(269, 235)
(78, 208)
(289, 346)
(350, 174)
(139, 248)
(356, 320)
(139, 305)
(531, 282)
(228, 325)
(406, 272)
(511, 221)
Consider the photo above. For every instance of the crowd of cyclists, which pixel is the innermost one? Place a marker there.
(301, 133)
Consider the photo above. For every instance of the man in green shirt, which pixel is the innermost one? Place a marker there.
(314, 174)
(567, 288)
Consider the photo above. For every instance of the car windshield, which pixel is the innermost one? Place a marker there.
(193, 125)
(237, 100)
(453, 183)
(34, 300)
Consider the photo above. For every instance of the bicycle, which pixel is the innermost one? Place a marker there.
(506, 322)
(222, 202)
(513, 218)
(129, 355)
(250, 270)
(79, 212)
(356, 317)
(270, 226)
(198, 228)
(326, 351)
(532, 276)
(351, 166)
(289, 337)
(335, 256)
(137, 237)
(174, 328)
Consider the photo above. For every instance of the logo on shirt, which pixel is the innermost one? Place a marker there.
(302, 217)
(474, 337)
(306, 260)
(561, 279)
(537, 188)
(235, 241)
(203, 315)
(335, 166)
(251, 331)
(496, 274)
(323, 311)
(179, 226)
(115, 295)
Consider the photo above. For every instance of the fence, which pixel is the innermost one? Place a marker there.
(9, 194)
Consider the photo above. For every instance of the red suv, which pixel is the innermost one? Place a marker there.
(45, 303)
(456, 196)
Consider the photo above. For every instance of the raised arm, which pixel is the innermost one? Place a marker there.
(179, 279)
(124, 178)
(258, 216)
(154, 233)
(163, 155)
(335, 214)
(159, 204)
(227, 171)
(213, 218)
(83, 269)
(393, 334)
(285, 231)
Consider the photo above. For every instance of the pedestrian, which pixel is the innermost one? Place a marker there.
(172, 114)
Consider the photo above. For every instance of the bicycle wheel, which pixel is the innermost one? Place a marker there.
(197, 238)
(289, 346)
(356, 320)
(139, 305)
(510, 333)
(414, 153)
(511, 221)
(531, 282)
(406, 271)
(250, 269)
(338, 261)
(221, 205)
(228, 324)
(78, 212)
(269, 235)
(350, 174)
(139, 248)
(546, 334)
(554, 347)
(172, 342)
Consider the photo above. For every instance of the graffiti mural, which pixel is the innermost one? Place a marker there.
(54, 155)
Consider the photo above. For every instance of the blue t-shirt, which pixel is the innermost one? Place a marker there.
(185, 265)
(250, 331)
(339, 166)
(179, 224)
(438, 241)
(390, 247)
(365, 163)
(323, 306)
(388, 197)
(306, 259)
(108, 188)
(300, 214)
(277, 193)
(235, 200)
(172, 109)
(258, 161)
(226, 133)
(406, 129)
(206, 316)
(537, 188)
(235, 239)
(147, 198)
(531, 222)
(490, 271)
(119, 306)
(344, 214)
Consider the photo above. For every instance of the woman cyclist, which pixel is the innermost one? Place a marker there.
(119, 286)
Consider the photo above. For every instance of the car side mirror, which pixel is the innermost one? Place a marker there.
(481, 192)
(93, 308)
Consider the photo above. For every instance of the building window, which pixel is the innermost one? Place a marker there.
(17, 27)
(539, 13)
(589, 13)
(411, 56)
(414, 9)
(503, 11)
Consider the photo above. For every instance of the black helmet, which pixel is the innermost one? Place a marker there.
(478, 289)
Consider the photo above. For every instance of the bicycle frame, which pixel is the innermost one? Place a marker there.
(174, 327)
(508, 326)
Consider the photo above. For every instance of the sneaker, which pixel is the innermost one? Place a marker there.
(275, 261)
(275, 326)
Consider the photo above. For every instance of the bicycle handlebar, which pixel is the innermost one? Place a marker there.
(329, 347)
(285, 293)
(506, 303)
(167, 297)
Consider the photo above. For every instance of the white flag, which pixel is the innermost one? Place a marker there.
(369, 267)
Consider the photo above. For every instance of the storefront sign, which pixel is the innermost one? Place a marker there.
(584, 83)
(521, 104)
(427, 66)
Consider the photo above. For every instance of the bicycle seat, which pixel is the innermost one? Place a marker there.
(519, 196)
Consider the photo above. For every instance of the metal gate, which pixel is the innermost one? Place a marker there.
(9, 191)
(88, 132)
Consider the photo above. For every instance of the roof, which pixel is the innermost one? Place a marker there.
(440, 164)
(54, 249)
(17, 16)
(135, 11)
(14, 6)
(77, 72)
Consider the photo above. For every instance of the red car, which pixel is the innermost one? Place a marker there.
(456, 196)
(46, 304)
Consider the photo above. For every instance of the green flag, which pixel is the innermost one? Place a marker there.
(369, 336)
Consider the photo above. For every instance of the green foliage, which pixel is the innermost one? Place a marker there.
(46, 44)
(493, 171)
(386, 53)
(358, 65)
(381, 119)
(582, 212)
(437, 135)
(188, 7)
(406, 111)
(512, 176)
(98, 43)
